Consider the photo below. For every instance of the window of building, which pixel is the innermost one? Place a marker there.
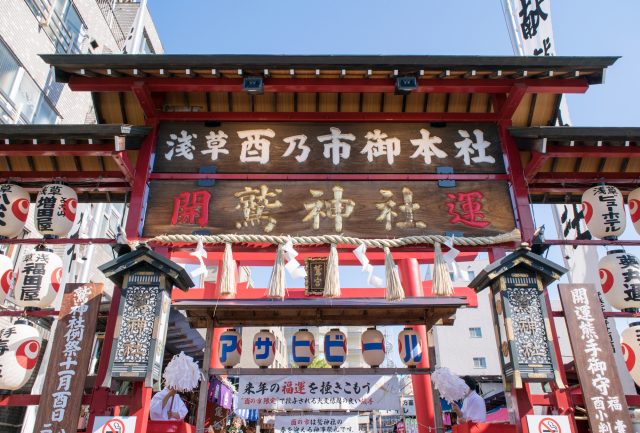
(475, 332)
(61, 22)
(21, 99)
(472, 275)
(480, 362)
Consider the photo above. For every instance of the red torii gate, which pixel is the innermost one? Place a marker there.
(508, 89)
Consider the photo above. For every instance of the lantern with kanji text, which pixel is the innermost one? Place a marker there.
(630, 343)
(409, 347)
(335, 347)
(14, 209)
(19, 352)
(620, 279)
(6, 276)
(372, 342)
(230, 348)
(37, 279)
(264, 348)
(303, 348)
(633, 199)
(603, 209)
(56, 207)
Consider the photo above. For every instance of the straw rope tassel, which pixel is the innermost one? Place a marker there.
(442, 285)
(394, 290)
(228, 273)
(332, 280)
(276, 283)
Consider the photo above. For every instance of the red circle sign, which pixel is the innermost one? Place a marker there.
(113, 426)
(548, 425)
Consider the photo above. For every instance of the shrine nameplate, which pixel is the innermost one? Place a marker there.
(238, 147)
(373, 209)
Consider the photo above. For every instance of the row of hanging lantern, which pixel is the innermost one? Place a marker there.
(55, 210)
(605, 217)
(19, 351)
(335, 348)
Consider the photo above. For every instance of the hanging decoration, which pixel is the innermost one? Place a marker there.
(182, 373)
(227, 279)
(630, 343)
(373, 351)
(264, 348)
(230, 348)
(361, 254)
(332, 282)
(200, 254)
(335, 347)
(14, 209)
(409, 347)
(634, 208)
(277, 280)
(303, 348)
(293, 266)
(19, 356)
(394, 291)
(56, 207)
(604, 214)
(449, 385)
(6, 277)
(620, 279)
(38, 278)
(442, 285)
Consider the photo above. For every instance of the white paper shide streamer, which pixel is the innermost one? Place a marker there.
(293, 267)
(449, 385)
(182, 373)
(200, 253)
(361, 255)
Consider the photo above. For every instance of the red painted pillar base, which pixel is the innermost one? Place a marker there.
(141, 396)
(422, 393)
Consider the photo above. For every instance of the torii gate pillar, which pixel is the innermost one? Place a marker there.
(422, 393)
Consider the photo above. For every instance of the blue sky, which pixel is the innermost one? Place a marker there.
(469, 27)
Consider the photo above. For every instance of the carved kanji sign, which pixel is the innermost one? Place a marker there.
(240, 147)
(369, 209)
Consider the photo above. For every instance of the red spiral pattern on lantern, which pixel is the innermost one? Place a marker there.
(20, 209)
(588, 211)
(606, 279)
(634, 209)
(5, 281)
(629, 356)
(69, 209)
(56, 277)
(27, 354)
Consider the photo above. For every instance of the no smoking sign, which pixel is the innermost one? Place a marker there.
(114, 424)
(548, 424)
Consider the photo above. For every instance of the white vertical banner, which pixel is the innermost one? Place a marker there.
(316, 423)
(531, 34)
(530, 25)
(582, 261)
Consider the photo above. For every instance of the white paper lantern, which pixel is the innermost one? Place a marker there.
(620, 279)
(230, 348)
(335, 347)
(409, 347)
(6, 277)
(303, 348)
(37, 280)
(14, 209)
(630, 343)
(264, 348)
(19, 351)
(634, 208)
(603, 208)
(373, 351)
(56, 207)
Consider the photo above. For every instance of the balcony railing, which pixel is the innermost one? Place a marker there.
(107, 9)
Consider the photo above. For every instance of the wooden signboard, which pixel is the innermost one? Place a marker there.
(601, 388)
(373, 209)
(314, 282)
(61, 399)
(238, 147)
